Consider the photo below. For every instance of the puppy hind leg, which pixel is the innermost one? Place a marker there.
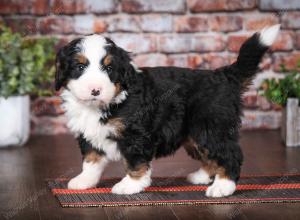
(203, 175)
(222, 186)
(228, 173)
(200, 176)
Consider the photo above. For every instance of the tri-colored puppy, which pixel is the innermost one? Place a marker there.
(119, 111)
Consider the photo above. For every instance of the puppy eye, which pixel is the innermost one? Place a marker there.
(109, 69)
(80, 66)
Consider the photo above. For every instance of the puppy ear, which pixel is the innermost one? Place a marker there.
(63, 61)
(125, 57)
(61, 68)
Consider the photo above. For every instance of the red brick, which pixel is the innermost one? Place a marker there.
(135, 43)
(208, 43)
(40, 7)
(298, 40)
(185, 60)
(213, 61)
(156, 23)
(289, 60)
(266, 62)
(259, 21)
(23, 25)
(276, 107)
(84, 24)
(133, 6)
(250, 100)
(83, 6)
(100, 25)
(225, 23)
(56, 25)
(124, 23)
(291, 20)
(191, 24)
(49, 106)
(236, 41)
(101, 7)
(47, 125)
(220, 5)
(175, 43)
(195, 60)
(232, 57)
(67, 6)
(14, 7)
(151, 60)
(284, 41)
(180, 60)
(263, 103)
(279, 5)
(261, 120)
(140, 6)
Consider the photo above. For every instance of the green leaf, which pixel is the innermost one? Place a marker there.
(26, 65)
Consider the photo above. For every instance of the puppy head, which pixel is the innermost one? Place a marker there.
(93, 68)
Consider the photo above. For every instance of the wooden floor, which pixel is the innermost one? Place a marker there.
(24, 195)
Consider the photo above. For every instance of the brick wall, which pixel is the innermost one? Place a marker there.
(188, 33)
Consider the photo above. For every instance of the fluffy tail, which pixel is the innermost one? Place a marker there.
(252, 51)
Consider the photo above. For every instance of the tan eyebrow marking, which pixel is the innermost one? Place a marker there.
(81, 58)
(107, 60)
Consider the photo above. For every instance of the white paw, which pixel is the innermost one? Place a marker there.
(129, 185)
(199, 177)
(221, 188)
(82, 182)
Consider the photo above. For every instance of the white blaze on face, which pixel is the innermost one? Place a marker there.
(93, 76)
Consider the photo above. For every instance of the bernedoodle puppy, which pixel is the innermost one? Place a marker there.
(119, 111)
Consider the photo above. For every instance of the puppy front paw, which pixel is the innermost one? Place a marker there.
(82, 182)
(221, 188)
(129, 185)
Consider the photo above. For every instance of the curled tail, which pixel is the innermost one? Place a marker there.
(252, 51)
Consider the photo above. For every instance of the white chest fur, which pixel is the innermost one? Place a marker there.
(84, 119)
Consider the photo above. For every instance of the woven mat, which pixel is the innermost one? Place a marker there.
(177, 191)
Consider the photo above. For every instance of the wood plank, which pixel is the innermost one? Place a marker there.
(141, 212)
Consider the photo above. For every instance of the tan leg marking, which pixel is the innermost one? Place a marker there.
(93, 156)
(210, 166)
(138, 171)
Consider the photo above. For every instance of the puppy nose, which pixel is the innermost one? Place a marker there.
(95, 92)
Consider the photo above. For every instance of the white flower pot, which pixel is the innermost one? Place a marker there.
(290, 129)
(14, 120)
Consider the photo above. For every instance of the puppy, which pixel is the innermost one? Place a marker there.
(118, 111)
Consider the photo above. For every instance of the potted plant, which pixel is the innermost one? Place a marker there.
(26, 68)
(286, 93)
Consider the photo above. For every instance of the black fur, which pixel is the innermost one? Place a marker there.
(166, 105)
(66, 67)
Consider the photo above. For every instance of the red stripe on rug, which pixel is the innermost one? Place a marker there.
(183, 188)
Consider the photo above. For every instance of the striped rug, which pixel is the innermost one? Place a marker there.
(177, 191)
